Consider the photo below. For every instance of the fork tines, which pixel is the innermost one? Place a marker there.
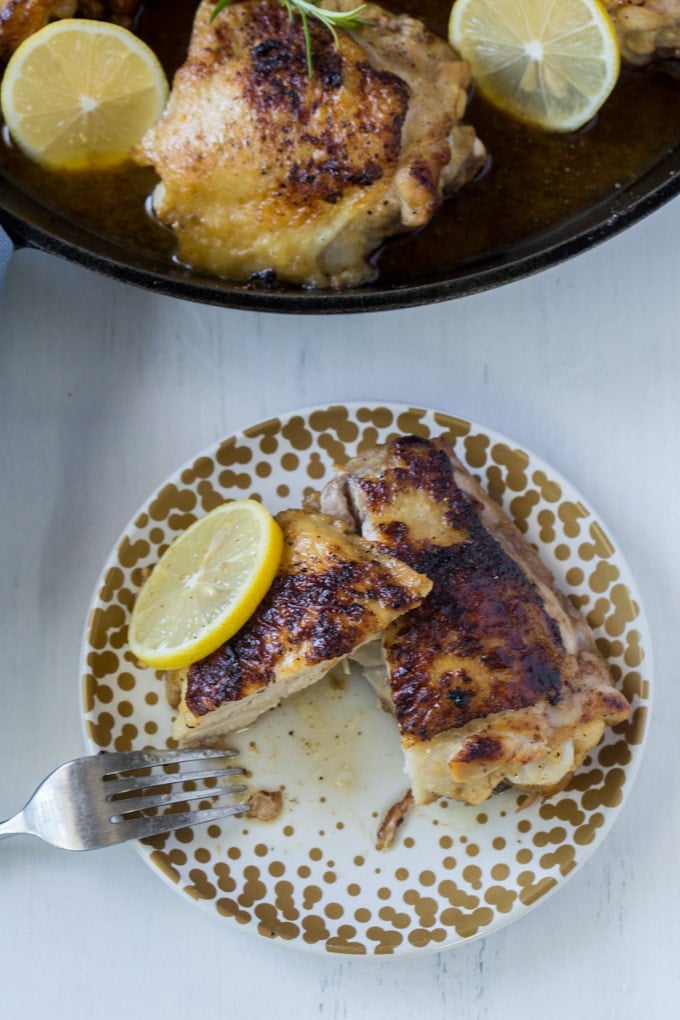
(139, 781)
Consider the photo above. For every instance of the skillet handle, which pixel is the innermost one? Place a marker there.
(10, 229)
(6, 250)
(12, 237)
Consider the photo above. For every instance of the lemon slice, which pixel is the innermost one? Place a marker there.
(551, 63)
(206, 585)
(78, 94)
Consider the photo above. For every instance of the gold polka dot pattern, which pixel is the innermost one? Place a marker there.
(312, 879)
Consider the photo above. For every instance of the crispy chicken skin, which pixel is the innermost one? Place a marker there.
(269, 172)
(647, 29)
(495, 678)
(333, 593)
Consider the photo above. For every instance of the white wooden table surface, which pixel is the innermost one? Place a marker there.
(104, 391)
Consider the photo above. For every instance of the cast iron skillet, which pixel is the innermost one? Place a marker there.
(31, 222)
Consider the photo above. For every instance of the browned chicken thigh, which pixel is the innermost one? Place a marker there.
(268, 171)
(495, 678)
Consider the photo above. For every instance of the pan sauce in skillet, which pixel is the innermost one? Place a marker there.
(534, 181)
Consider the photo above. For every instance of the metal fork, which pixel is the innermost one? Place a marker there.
(86, 803)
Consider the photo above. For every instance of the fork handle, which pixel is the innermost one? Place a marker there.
(14, 826)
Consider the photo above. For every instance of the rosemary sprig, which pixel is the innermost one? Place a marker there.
(306, 9)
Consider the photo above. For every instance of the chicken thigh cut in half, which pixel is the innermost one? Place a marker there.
(495, 679)
(267, 171)
(332, 593)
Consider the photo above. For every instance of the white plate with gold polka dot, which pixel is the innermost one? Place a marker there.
(312, 878)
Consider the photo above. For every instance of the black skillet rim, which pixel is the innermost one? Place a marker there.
(31, 223)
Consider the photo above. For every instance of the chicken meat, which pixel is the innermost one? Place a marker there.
(270, 173)
(647, 29)
(495, 678)
(333, 592)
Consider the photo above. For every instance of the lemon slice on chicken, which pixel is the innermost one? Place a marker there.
(206, 585)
